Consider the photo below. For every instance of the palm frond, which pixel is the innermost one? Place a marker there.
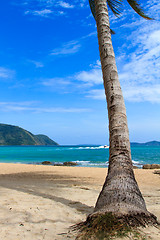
(112, 31)
(137, 8)
(92, 7)
(115, 6)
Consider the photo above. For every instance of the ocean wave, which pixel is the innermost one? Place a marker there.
(82, 162)
(88, 163)
(99, 147)
(102, 164)
(99, 164)
(136, 163)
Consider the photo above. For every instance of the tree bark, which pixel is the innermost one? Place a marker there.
(120, 193)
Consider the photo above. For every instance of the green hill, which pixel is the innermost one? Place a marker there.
(13, 135)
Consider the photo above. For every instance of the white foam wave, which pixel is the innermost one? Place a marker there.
(88, 163)
(99, 147)
(136, 162)
(82, 162)
(99, 164)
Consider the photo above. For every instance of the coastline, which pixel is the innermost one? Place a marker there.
(42, 202)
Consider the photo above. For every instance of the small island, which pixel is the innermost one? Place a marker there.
(11, 135)
(151, 143)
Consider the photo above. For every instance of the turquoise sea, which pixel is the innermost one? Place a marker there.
(86, 156)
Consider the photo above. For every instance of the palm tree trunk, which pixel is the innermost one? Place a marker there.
(120, 193)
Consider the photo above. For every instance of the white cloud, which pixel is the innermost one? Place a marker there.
(56, 82)
(29, 106)
(79, 82)
(153, 7)
(140, 76)
(83, 3)
(65, 4)
(41, 13)
(67, 48)
(139, 69)
(139, 57)
(97, 94)
(61, 12)
(45, 8)
(25, 104)
(6, 73)
(143, 93)
(37, 64)
(92, 77)
(71, 46)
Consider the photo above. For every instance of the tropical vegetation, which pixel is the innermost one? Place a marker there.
(14, 135)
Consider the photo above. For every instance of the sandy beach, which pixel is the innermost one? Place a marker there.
(42, 202)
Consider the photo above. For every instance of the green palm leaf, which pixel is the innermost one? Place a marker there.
(115, 6)
(92, 7)
(137, 8)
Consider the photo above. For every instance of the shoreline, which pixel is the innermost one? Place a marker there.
(153, 166)
(42, 202)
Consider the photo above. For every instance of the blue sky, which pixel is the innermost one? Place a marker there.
(50, 76)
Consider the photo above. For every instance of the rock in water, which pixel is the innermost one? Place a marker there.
(155, 166)
(46, 163)
(70, 164)
(151, 166)
(146, 166)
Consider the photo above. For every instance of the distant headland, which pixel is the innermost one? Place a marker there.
(11, 135)
(151, 143)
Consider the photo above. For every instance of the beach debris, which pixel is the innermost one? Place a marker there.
(84, 188)
(62, 234)
(151, 166)
(157, 172)
(21, 224)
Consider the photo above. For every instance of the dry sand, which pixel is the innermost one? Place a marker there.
(42, 202)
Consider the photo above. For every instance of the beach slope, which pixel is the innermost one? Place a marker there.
(42, 202)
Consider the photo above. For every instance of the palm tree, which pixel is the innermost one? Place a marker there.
(120, 194)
